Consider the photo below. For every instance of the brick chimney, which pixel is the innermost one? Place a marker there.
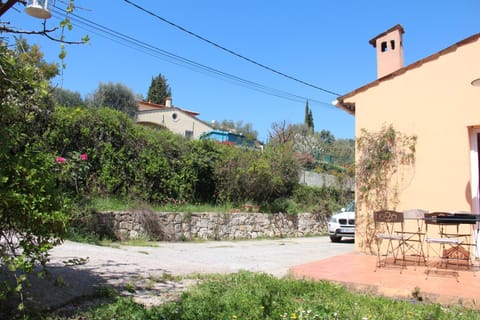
(389, 47)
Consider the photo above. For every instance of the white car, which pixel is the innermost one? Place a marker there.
(342, 224)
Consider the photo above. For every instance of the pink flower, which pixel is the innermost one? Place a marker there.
(60, 160)
(84, 156)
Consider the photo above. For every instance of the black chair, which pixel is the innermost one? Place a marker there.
(390, 238)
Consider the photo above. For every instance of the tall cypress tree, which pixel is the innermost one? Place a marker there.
(305, 121)
(309, 117)
(159, 90)
(310, 121)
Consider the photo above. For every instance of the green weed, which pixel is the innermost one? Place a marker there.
(130, 287)
(252, 296)
(139, 243)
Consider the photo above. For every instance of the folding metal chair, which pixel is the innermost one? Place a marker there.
(390, 227)
(414, 233)
(448, 246)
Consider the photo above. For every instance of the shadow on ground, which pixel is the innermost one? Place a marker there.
(62, 285)
(71, 287)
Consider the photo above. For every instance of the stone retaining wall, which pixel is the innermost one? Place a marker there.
(167, 226)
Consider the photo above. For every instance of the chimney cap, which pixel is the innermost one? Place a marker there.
(398, 27)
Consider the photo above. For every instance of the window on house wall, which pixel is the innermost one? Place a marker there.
(189, 134)
(392, 44)
(175, 116)
(384, 46)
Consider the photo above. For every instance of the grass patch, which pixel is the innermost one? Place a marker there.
(116, 204)
(139, 243)
(131, 243)
(252, 296)
(192, 208)
(108, 243)
(164, 277)
(110, 203)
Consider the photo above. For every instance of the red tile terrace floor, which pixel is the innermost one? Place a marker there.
(358, 270)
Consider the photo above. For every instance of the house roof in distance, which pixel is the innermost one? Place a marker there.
(150, 106)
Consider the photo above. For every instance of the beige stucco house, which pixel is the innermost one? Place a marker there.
(436, 99)
(175, 119)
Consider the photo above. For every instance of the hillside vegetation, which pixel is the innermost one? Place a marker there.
(56, 158)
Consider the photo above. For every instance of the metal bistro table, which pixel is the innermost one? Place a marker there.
(453, 244)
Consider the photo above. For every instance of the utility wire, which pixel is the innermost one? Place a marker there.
(156, 52)
(229, 50)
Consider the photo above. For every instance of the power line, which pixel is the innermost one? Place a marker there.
(156, 52)
(229, 50)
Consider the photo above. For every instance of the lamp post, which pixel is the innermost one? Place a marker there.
(35, 8)
(38, 9)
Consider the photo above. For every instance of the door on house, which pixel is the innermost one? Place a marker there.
(475, 181)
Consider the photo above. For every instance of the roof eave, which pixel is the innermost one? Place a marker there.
(345, 106)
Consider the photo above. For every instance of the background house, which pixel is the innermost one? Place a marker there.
(226, 137)
(436, 99)
(175, 119)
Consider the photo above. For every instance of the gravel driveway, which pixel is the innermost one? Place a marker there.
(143, 272)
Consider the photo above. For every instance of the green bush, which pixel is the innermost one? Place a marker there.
(106, 135)
(250, 175)
(199, 164)
(283, 205)
(130, 161)
(320, 199)
(32, 208)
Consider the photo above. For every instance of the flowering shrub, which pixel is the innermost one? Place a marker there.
(61, 160)
(74, 171)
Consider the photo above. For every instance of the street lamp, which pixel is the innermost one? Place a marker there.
(38, 9)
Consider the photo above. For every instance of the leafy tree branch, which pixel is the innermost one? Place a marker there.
(46, 32)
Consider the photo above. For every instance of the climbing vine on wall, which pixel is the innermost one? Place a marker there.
(383, 157)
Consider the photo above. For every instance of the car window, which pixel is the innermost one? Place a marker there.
(350, 207)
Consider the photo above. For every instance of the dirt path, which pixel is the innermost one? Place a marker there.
(145, 272)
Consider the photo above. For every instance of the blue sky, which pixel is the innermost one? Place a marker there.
(323, 43)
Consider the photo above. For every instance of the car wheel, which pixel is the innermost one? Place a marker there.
(335, 238)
